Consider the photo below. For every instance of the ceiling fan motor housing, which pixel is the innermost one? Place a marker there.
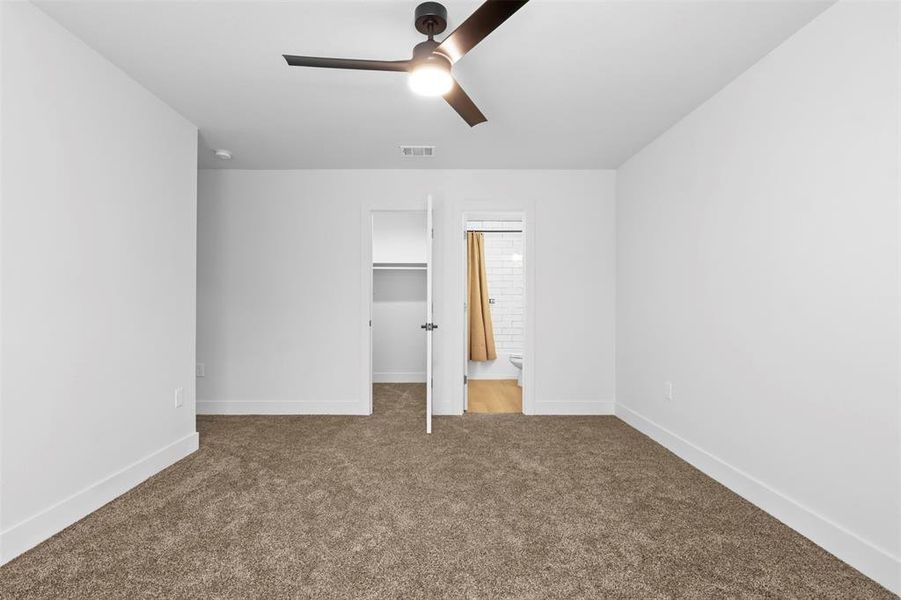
(424, 53)
(431, 18)
(424, 48)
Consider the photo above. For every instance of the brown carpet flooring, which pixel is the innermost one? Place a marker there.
(488, 506)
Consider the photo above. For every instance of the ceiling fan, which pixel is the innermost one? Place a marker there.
(432, 62)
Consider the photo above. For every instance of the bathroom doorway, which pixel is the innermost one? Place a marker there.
(495, 309)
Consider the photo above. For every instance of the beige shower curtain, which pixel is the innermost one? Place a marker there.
(481, 332)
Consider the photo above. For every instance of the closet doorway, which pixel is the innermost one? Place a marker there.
(495, 307)
(400, 305)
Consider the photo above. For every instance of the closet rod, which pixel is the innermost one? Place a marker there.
(494, 230)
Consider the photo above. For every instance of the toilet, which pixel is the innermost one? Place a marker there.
(516, 360)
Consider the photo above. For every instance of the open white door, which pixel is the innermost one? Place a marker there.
(465, 288)
(429, 324)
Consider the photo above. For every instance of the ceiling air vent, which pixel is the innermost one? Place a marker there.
(417, 151)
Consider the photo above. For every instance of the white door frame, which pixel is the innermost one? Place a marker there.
(528, 269)
(366, 307)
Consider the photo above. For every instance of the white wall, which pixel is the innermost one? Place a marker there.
(98, 280)
(758, 272)
(398, 237)
(2, 45)
(281, 258)
(398, 310)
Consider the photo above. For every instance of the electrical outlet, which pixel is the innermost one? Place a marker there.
(179, 397)
(200, 370)
(668, 390)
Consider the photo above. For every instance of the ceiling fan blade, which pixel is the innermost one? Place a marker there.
(347, 63)
(477, 27)
(464, 105)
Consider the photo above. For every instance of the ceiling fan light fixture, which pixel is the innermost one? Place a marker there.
(429, 69)
(430, 80)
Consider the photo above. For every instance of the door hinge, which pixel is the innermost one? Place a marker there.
(429, 326)
(465, 380)
(370, 322)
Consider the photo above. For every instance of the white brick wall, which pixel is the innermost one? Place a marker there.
(503, 262)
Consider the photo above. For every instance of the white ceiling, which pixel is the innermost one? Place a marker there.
(564, 84)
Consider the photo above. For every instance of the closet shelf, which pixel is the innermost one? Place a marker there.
(399, 266)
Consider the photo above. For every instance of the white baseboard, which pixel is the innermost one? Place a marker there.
(50, 521)
(575, 407)
(280, 407)
(399, 377)
(867, 558)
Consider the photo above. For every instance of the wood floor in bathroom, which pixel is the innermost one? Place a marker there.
(494, 396)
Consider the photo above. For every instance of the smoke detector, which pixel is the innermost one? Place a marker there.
(417, 151)
(222, 154)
